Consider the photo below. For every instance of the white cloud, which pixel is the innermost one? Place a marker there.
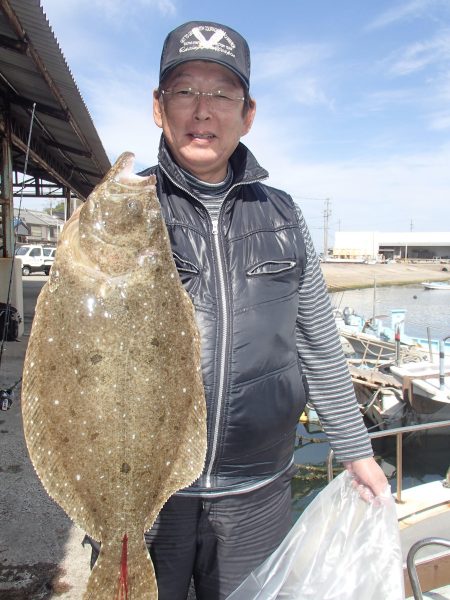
(122, 111)
(439, 117)
(420, 55)
(309, 92)
(440, 121)
(384, 99)
(407, 10)
(287, 60)
(298, 70)
(109, 9)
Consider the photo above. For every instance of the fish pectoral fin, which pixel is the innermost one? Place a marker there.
(123, 571)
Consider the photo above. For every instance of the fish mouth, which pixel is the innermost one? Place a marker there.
(123, 172)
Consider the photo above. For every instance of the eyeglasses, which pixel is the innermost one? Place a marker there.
(186, 97)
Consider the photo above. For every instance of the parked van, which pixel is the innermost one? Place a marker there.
(35, 258)
(49, 257)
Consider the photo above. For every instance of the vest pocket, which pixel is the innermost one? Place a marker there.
(271, 267)
(189, 273)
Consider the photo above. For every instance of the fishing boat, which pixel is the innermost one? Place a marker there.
(433, 346)
(426, 387)
(436, 285)
(374, 339)
(379, 396)
(371, 340)
(394, 395)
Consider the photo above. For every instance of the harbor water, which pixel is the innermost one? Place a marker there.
(424, 308)
(425, 457)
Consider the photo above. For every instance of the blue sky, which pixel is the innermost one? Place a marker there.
(353, 97)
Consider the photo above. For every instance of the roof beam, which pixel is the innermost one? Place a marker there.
(83, 171)
(40, 107)
(40, 157)
(70, 149)
(13, 44)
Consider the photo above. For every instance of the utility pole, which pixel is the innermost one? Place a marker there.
(326, 217)
(411, 225)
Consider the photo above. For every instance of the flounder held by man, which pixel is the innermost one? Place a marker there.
(112, 397)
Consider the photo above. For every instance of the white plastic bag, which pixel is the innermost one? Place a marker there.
(341, 548)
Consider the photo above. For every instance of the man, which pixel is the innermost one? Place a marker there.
(269, 341)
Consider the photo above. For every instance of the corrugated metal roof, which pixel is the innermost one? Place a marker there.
(36, 217)
(65, 146)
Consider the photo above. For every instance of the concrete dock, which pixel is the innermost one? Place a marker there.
(345, 276)
(41, 555)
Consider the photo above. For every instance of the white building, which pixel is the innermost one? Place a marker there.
(372, 245)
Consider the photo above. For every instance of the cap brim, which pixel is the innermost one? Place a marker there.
(180, 61)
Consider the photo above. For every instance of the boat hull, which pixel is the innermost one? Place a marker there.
(436, 285)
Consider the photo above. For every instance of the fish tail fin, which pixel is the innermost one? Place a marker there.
(123, 571)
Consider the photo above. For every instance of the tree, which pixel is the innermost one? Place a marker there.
(58, 208)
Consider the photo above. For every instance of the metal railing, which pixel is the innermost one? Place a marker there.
(411, 565)
(398, 433)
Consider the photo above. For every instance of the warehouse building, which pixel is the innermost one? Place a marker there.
(374, 245)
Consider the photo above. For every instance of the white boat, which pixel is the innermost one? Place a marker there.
(425, 388)
(436, 285)
(371, 349)
(373, 341)
(432, 346)
(424, 513)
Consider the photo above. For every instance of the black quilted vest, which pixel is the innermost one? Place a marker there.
(243, 279)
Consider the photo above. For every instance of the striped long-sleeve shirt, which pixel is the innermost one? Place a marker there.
(320, 351)
(330, 387)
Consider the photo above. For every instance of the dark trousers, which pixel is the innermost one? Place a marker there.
(217, 541)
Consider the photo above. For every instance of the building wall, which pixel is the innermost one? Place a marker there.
(43, 228)
(372, 244)
(355, 244)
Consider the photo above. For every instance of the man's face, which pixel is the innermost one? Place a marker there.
(200, 136)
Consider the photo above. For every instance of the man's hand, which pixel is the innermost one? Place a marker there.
(369, 479)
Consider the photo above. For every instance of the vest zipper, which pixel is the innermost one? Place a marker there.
(224, 307)
(223, 302)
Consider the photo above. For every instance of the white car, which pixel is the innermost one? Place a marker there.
(35, 258)
(49, 257)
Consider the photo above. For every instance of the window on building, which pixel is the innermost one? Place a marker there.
(36, 231)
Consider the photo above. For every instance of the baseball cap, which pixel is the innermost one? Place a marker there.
(204, 40)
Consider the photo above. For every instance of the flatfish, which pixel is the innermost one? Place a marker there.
(112, 398)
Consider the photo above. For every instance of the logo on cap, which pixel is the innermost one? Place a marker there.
(218, 41)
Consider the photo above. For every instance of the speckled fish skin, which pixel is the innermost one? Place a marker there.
(112, 397)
